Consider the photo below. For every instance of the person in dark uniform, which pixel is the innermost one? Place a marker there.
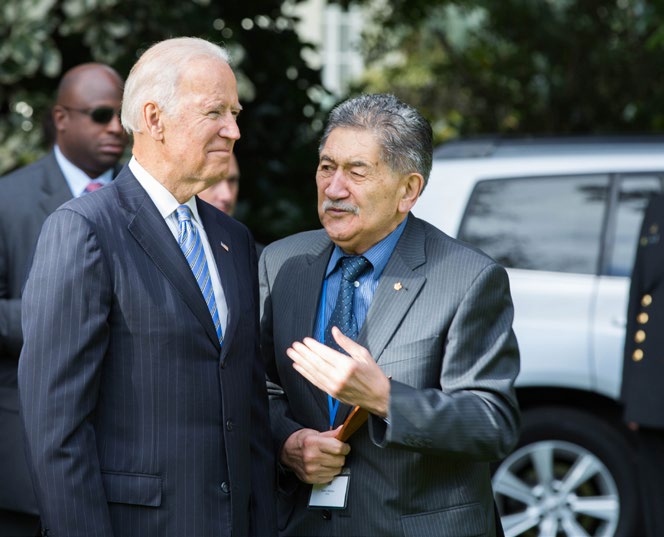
(643, 369)
(88, 144)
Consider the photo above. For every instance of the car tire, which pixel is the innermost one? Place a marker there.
(572, 474)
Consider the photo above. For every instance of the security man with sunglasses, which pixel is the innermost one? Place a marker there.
(89, 142)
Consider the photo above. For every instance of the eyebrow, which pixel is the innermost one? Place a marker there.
(353, 163)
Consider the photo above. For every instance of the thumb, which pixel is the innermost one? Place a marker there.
(332, 433)
(354, 350)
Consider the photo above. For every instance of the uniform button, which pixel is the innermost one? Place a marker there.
(646, 300)
(637, 355)
(229, 425)
(642, 318)
(326, 515)
(640, 336)
(225, 488)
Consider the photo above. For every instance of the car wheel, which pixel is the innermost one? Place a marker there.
(570, 476)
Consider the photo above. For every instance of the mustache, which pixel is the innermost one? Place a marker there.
(341, 206)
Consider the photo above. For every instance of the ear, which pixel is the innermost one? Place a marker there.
(413, 184)
(152, 118)
(60, 118)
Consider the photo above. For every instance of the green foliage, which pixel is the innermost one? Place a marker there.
(277, 152)
(521, 66)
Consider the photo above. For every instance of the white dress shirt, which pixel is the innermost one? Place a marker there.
(76, 178)
(167, 205)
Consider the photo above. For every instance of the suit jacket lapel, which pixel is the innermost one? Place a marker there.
(306, 302)
(217, 237)
(54, 188)
(152, 233)
(398, 287)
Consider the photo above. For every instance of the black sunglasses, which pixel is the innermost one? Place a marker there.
(102, 114)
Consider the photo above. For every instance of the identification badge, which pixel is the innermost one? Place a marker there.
(331, 495)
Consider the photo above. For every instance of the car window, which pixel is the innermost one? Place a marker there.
(634, 192)
(539, 223)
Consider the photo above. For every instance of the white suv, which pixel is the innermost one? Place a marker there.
(563, 216)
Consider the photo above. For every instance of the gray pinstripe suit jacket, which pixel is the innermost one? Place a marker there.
(445, 336)
(27, 196)
(137, 423)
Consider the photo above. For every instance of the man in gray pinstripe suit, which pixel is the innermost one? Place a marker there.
(433, 364)
(144, 417)
(86, 152)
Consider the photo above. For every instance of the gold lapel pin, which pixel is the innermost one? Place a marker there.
(398, 286)
(224, 246)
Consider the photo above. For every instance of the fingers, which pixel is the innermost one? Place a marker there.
(314, 457)
(354, 379)
(334, 447)
(322, 366)
(354, 350)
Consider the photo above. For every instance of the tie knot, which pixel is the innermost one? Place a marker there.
(92, 186)
(184, 213)
(353, 267)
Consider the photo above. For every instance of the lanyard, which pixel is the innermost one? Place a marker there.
(332, 404)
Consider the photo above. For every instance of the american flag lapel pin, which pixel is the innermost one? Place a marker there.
(398, 286)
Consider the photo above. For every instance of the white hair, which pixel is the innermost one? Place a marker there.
(156, 74)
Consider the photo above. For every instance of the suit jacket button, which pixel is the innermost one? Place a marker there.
(225, 488)
(229, 425)
(327, 515)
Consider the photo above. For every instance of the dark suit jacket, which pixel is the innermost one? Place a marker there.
(27, 197)
(643, 369)
(440, 325)
(137, 422)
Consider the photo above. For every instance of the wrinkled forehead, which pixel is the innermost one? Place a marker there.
(346, 145)
(209, 82)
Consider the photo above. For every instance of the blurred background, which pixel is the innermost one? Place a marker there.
(526, 67)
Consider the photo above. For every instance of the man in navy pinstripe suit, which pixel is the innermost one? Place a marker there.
(433, 364)
(142, 418)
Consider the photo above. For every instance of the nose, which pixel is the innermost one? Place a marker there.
(230, 129)
(115, 125)
(337, 186)
(223, 191)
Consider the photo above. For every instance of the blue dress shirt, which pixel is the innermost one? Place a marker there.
(378, 255)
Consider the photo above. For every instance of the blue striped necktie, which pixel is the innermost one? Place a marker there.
(192, 248)
(343, 316)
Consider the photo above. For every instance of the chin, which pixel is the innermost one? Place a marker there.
(338, 237)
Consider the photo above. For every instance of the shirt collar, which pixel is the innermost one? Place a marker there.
(159, 194)
(378, 255)
(76, 178)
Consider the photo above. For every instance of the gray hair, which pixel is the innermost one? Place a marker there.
(405, 137)
(156, 74)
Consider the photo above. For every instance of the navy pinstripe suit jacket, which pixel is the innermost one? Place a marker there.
(137, 423)
(440, 324)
